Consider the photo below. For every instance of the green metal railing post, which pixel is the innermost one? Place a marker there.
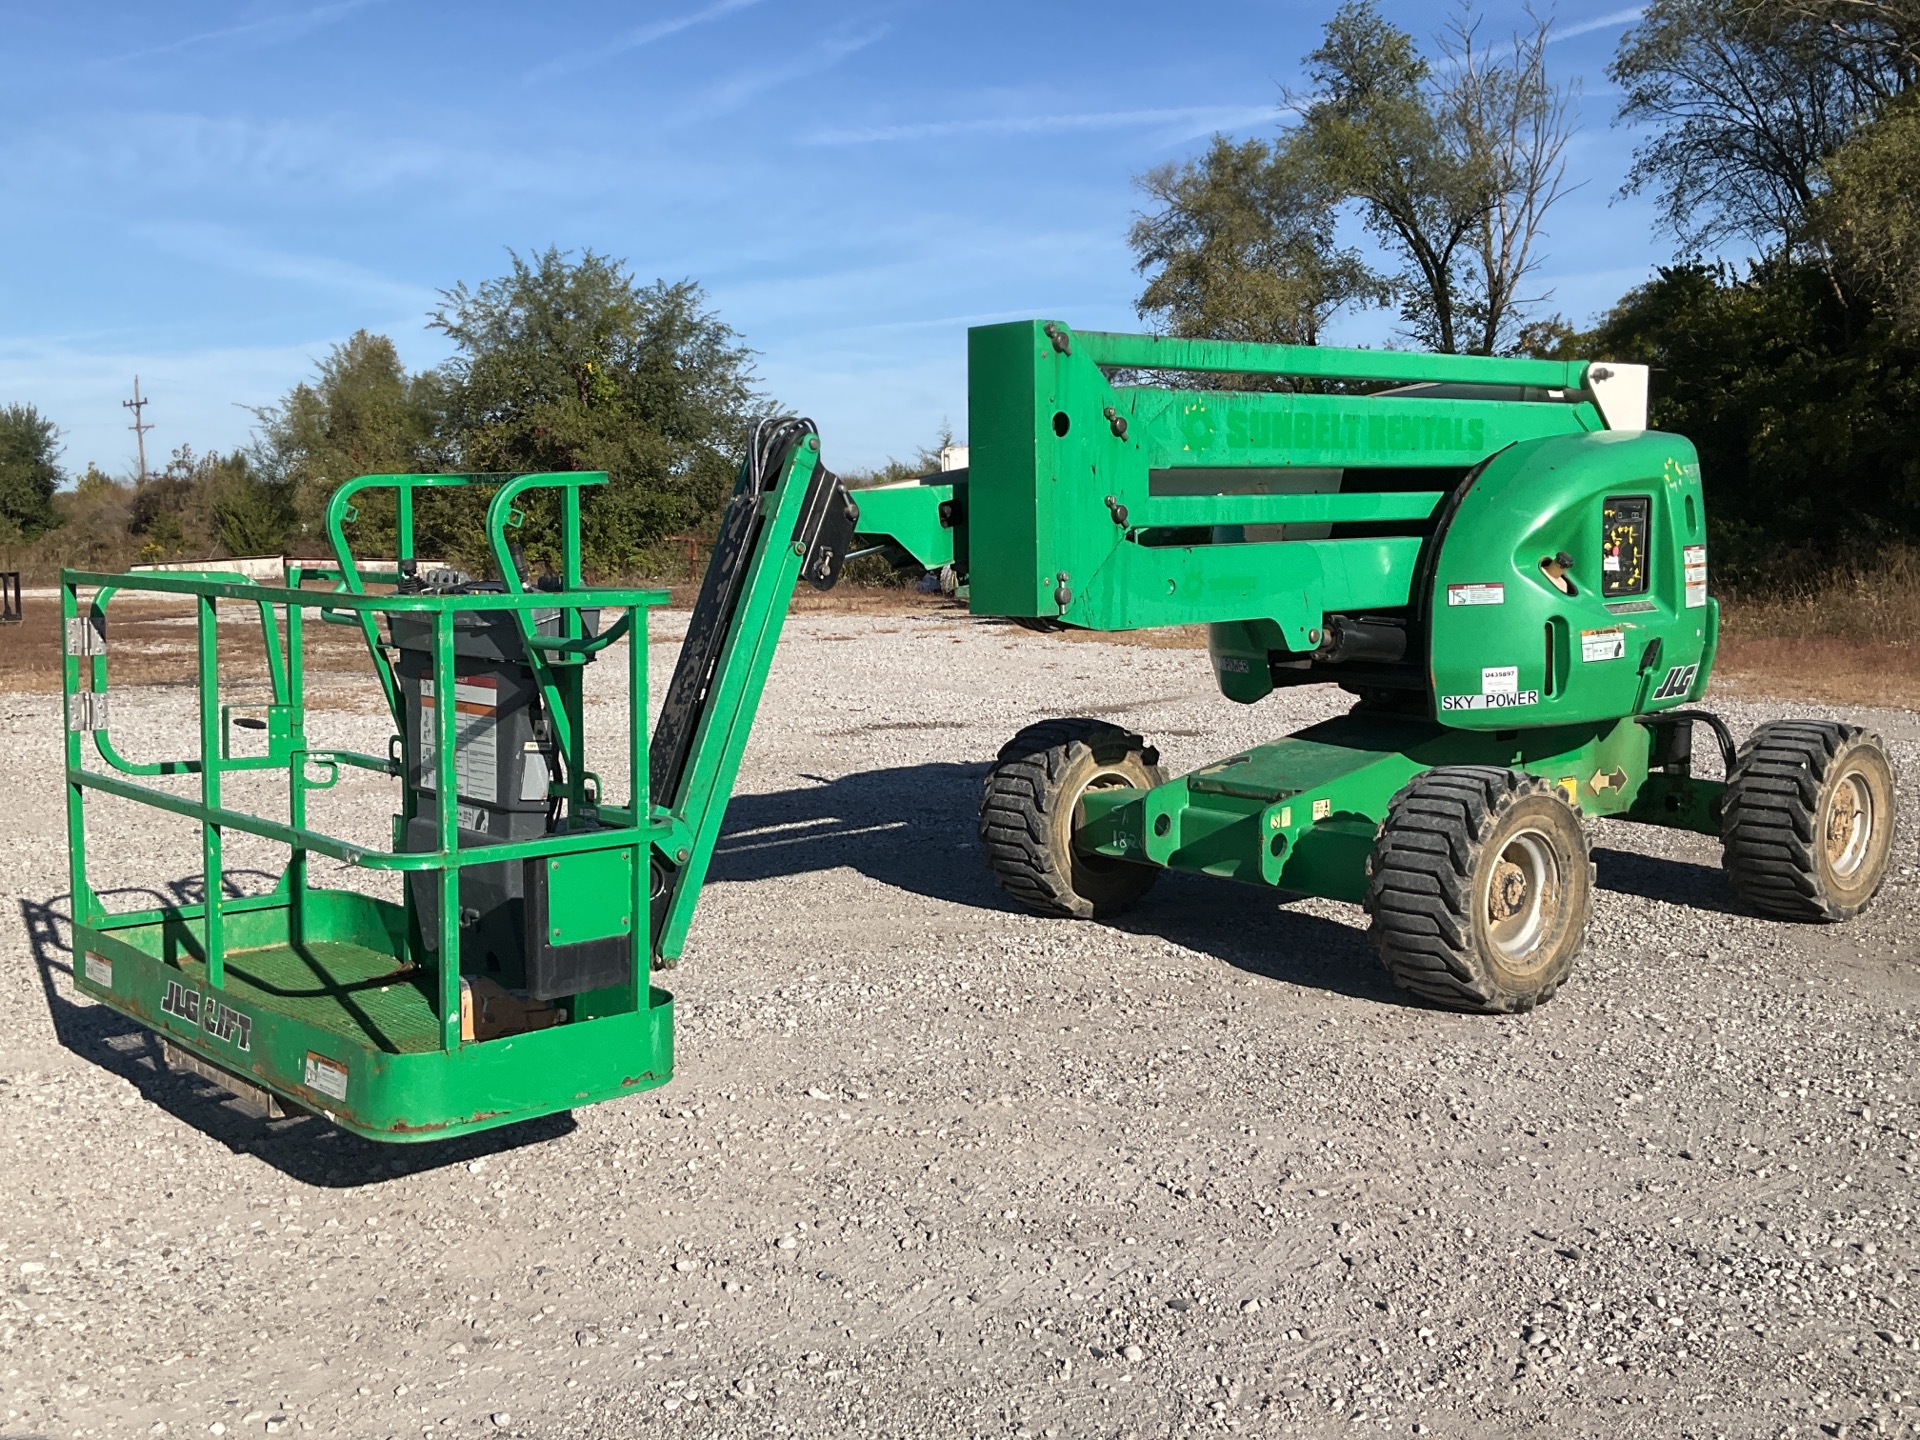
(297, 776)
(446, 780)
(85, 908)
(340, 509)
(210, 833)
(638, 800)
(501, 517)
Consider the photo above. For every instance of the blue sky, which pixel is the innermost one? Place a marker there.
(211, 194)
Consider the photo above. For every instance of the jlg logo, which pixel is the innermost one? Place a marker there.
(212, 1015)
(1679, 680)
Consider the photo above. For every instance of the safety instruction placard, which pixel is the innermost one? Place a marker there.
(1603, 645)
(1489, 593)
(476, 741)
(327, 1076)
(1696, 559)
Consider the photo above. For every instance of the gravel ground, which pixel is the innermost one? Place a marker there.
(934, 1167)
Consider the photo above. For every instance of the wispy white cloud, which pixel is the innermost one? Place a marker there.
(634, 39)
(156, 160)
(228, 250)
(268, 30)
(738, 90)
(1207, 118)
(1599, 22)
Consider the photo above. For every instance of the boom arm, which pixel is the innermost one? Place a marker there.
(790, 519)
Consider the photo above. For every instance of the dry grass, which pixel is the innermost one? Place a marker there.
(153, 641)
(1850, 636)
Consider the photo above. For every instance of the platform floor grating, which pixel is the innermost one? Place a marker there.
(359, 993)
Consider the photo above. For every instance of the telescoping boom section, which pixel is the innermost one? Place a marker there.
(1495, 557)
(512, 974)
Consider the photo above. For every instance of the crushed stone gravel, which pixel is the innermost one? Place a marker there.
(932, 1166)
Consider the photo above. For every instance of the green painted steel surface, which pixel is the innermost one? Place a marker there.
(1439, 507)
(1614, 642)
(916, 515)
(590, 895)
(348, 1029)
(323, 978)
(1515, 580)
(1079, 485)
(333, 1000)
(746, 654)
(1301, 813)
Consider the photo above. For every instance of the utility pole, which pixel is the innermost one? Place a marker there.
(140, 425)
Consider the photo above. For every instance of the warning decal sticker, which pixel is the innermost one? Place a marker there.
(1696, 559)
(1603, 645)
(1494, 593)
(476, 747)
(329, 1077)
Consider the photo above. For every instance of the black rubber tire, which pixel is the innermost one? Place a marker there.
(1787, 822)
(1431, 895)
(1027, 817)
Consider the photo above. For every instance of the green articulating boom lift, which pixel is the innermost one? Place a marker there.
(1495, 557)
(334, 1002)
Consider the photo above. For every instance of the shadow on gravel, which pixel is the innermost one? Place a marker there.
(912, 827)
(1655, 877)
(305, 1148)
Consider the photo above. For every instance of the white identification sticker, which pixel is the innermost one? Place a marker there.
(1492, 593)
(99, 970)
(1603, 645)
(1489, 702)
(329, 1077)
(470, 817)
(1322, 809)
(1500, 680)
(1696, 560)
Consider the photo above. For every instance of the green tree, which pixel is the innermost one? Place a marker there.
(568, 364)
(1378, 137)
(1509, 123)
(1241, 247)
(1741, 103)
(248, 512)
(1867, 216)
(1806, 434)
(1453, 168)
(92, 532)
(29, 472)
(361, 414)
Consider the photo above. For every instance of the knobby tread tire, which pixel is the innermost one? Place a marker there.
(1026, 818)
(1770, 818)
(1421, 888)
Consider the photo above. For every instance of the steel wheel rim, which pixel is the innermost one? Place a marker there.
(1520, 896)
(1849, 825)
(1105, 779)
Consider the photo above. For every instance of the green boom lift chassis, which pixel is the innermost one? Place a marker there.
(1495, 556)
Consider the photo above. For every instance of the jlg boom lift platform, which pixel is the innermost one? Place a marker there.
(1494, 557)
